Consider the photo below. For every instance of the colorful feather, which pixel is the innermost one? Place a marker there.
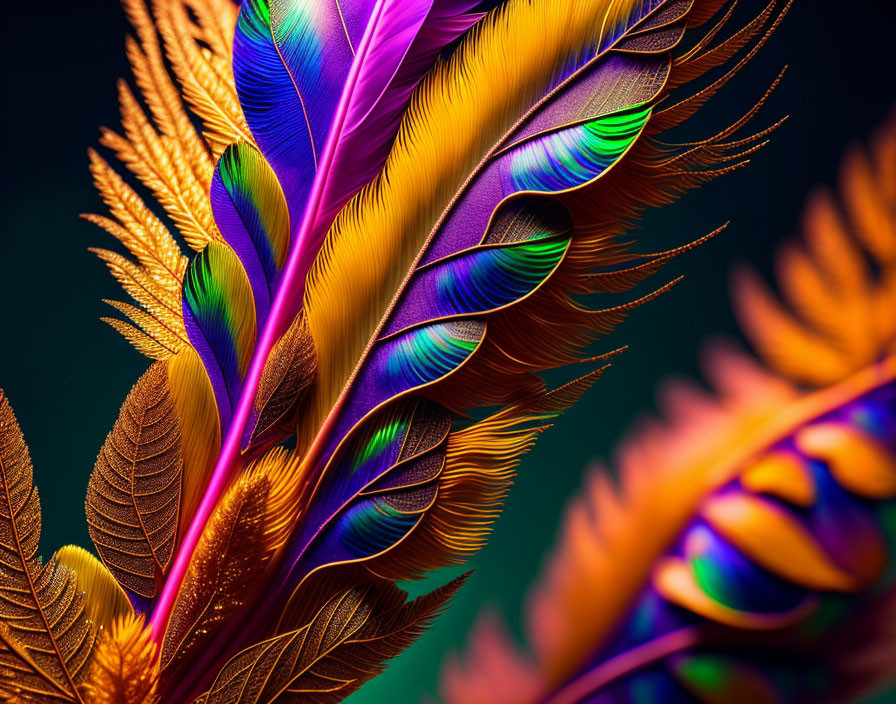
(250, 210)
(376, 250)
(293, 61)
(428, 327)
(746, 550)
(426, 341)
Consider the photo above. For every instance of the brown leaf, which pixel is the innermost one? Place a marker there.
(229, 566)
(287, 375)
(346, 644)
(46, 637)
(133, 498)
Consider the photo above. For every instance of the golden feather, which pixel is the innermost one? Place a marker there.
(250, 524)
(105, 600)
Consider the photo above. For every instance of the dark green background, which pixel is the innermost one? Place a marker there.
(67, 373)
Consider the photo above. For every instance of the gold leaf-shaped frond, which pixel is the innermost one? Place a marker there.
(200, 55)
(229, 567)
(134, 225)
(125, 669)
(46, 635)
(133, 499)
(347, 643)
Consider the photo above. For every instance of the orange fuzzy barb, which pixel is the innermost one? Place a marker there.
(125, 667)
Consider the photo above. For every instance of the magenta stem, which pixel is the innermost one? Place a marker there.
(286, 304)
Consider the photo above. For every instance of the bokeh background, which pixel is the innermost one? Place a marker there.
(67, 373)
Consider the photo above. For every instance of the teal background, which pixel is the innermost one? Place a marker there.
(66, 373)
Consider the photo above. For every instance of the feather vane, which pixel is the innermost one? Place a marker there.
(413, 345)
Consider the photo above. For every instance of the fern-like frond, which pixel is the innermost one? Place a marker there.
(839, 285)
(201, 61)
(161, 147)
(345, 644)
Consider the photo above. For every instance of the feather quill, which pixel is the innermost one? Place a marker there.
(766, 574)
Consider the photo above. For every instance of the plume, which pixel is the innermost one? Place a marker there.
(744, 551)
(343, 380)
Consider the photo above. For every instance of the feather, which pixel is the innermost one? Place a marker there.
(441, 229)
(344, 74)
(104, 598)
(766, 575)
(419, 219)
(46, 635)
(250, 524)
(431, 337)
(194, 402)
(398, 516)
(292, 59)
(219, 315)
(250, 210)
